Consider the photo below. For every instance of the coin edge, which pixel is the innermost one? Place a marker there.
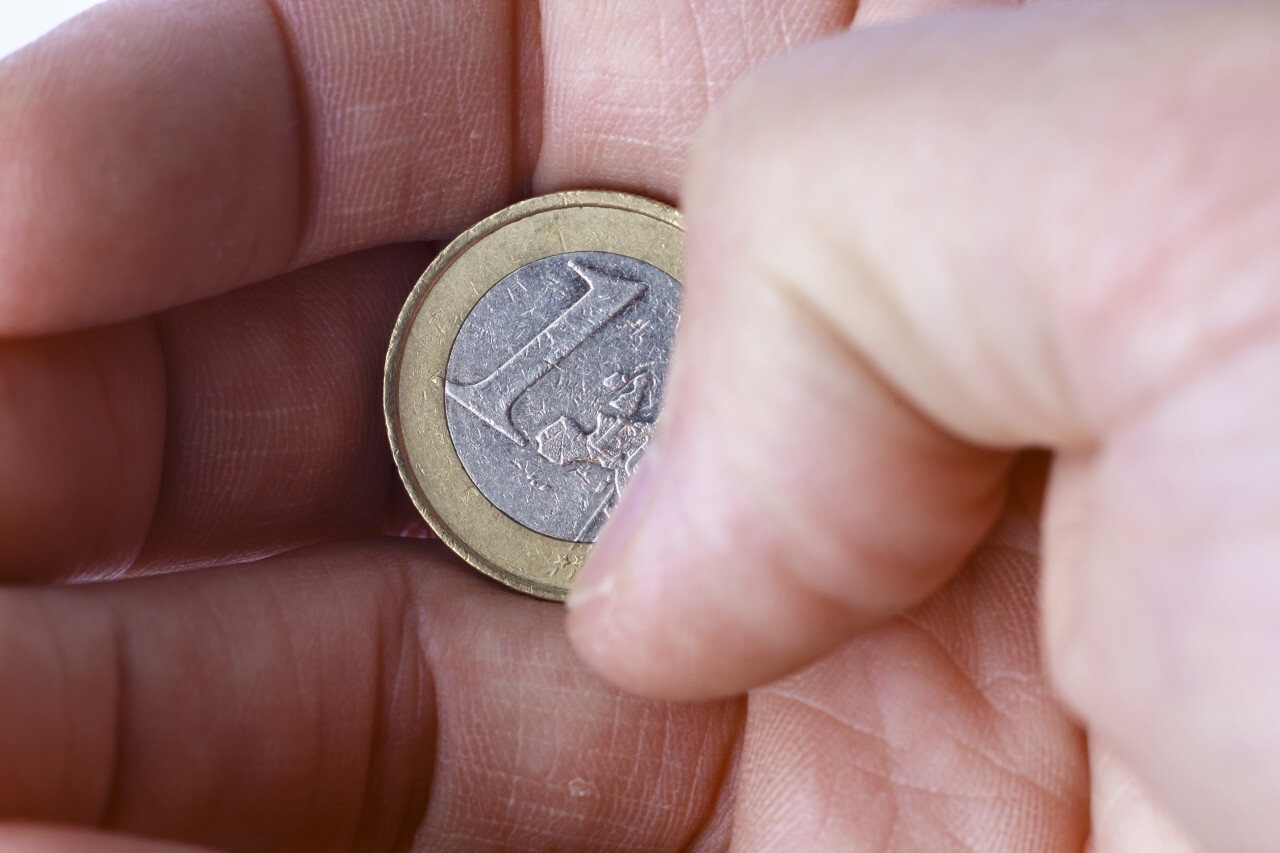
(639, 205)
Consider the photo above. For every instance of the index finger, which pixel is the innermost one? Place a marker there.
(153, 152)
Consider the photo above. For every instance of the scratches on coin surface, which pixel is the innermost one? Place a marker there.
(554, 383)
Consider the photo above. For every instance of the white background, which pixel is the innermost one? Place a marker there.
(23, 21)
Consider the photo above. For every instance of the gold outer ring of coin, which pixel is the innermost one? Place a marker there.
(413, 389)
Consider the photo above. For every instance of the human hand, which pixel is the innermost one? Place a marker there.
(367, 693)
(913, 252)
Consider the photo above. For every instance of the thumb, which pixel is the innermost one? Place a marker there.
(862, 346)
(913, 249)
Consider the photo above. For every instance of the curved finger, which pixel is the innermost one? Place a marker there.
(363, 696)
(998, 230)
(275, 436)
(157, 152)
(238, 427)
(83, 424)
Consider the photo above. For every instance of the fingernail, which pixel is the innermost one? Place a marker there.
(598, 576)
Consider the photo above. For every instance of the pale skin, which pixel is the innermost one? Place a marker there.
(915, 250)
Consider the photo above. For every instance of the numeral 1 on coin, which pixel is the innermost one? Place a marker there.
(491, 398)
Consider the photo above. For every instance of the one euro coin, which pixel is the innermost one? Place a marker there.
(525, 377)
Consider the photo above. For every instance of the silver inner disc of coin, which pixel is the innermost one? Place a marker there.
(554, 384)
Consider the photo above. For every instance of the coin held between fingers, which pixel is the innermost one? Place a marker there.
(525, 377)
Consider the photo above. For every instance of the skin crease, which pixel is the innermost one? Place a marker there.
(209, 214)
